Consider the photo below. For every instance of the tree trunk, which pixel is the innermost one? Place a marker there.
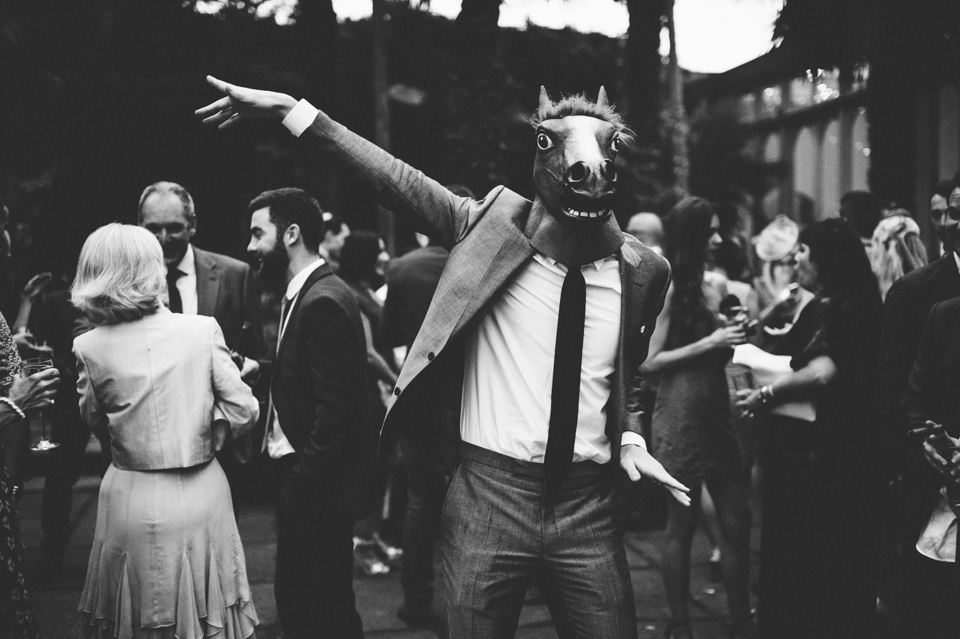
(477, 129)
(381, 110)
(642, 162)
(677, 114)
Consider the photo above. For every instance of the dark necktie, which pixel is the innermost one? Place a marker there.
(565, 397)
(176, 304)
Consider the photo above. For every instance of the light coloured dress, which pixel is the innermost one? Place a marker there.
(167, 560)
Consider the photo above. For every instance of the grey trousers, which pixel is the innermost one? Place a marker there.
(498, 533)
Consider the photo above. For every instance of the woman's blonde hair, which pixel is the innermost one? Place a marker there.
(121, 275)
(896, 249)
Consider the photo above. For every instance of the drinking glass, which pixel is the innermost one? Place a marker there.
(30, 367)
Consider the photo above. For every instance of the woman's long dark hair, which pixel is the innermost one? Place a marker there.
(843, 268)
(847, 282)
(687, 232)
(358, 258)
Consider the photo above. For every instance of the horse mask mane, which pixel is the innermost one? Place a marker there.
(577, 143)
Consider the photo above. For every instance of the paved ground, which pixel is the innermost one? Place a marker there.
(378, 597)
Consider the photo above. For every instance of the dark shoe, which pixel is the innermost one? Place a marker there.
(364, 552)
(387, 551)
(417, 619)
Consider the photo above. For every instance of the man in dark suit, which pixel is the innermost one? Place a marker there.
(411, 282)
(317, 429)
(204, 283)
(531, 291)
(906, 306)
(930, 576)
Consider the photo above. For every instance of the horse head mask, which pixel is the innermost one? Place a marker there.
(577, 143)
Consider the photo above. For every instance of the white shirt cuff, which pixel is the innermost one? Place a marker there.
(300, 117)
(630, 437)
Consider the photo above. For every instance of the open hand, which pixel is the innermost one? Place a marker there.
(639, 463)
(241, 103)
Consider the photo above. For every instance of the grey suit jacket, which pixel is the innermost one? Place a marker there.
(488, 245)
(158, 384)
(226, 290)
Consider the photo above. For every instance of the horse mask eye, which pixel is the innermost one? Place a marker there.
(544, 142)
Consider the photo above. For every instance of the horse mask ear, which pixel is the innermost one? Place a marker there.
(544, 102)
(602, 98)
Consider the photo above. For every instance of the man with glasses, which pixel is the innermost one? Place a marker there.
(938, 215)
(906, 307)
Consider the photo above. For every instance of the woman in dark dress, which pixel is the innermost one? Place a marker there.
(820, 533)
(692, 426)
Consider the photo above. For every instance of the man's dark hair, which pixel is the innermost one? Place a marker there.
(863, 211)
(293, 206)
(944, 188)
(332, 223)
(954, 183)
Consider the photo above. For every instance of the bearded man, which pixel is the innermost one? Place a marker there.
(317, 426)
(539, 325)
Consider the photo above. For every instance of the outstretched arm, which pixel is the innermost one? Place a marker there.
(433, 209)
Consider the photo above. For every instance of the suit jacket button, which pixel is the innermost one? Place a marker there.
(430, 356)
(396, 391)
(643, 329)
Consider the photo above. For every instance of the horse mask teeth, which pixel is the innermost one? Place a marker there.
(573, 172)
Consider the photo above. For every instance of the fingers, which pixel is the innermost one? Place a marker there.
(682, 497)
(220, 85)
(933, 456)
(231, 121)
(743, 394)
(214, 109)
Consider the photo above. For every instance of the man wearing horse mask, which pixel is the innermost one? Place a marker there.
(539, 325)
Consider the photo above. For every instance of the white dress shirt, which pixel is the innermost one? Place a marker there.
(508, 369)
(938, 541)
(275, 442)
(187, 283)
(508, 372)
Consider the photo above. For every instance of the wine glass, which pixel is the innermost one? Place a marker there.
(30, 367)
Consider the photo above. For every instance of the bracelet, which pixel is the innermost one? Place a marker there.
(9, 402)
(766, 394)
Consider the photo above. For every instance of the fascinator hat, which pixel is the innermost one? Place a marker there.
(777, 239)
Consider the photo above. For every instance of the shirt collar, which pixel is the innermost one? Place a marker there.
(301, 278)
(597, 265)
(188, 265)
(956, 258)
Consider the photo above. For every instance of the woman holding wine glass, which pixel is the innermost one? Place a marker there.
(166, 559)
(20, 394)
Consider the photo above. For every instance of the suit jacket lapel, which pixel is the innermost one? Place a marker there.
(513, 253)
(321, 271)
(631, 284)
(208, 283)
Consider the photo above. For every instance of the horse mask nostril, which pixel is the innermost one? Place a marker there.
(578, 173)
(608, 170)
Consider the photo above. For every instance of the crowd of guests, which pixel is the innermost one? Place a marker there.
(165, 352)
(857, 525)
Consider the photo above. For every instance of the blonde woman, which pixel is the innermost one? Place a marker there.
(166, 559)
(895, 249)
